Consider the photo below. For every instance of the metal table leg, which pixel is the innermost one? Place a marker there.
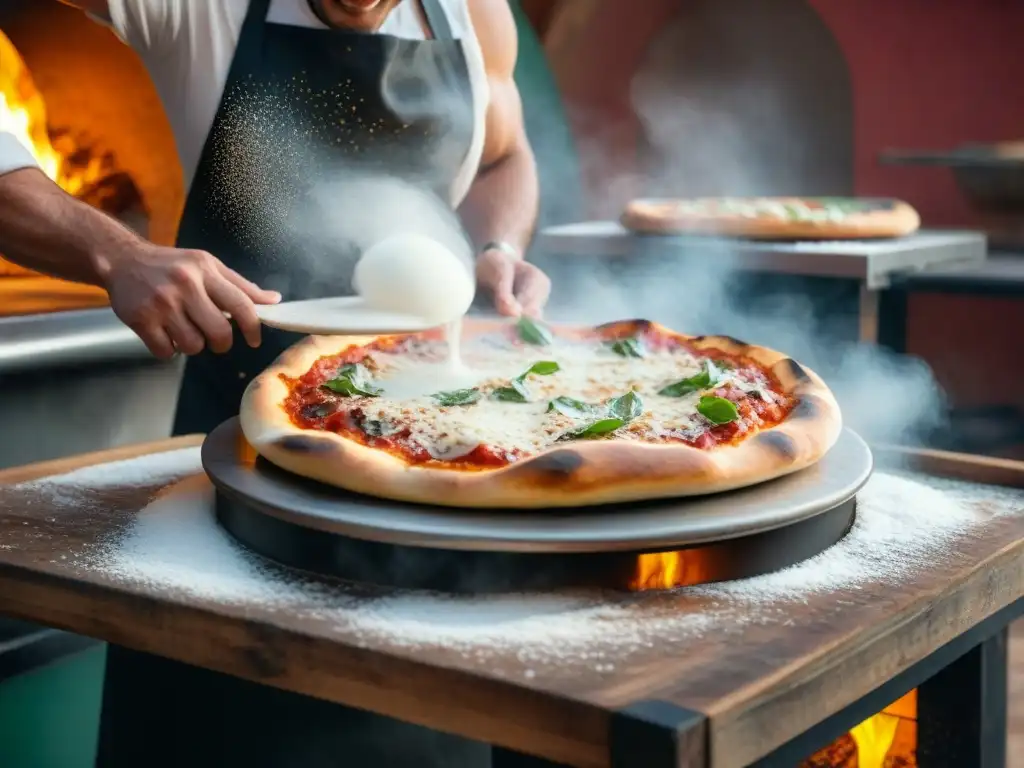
(892, 319)
(867, 315)
(961, 711)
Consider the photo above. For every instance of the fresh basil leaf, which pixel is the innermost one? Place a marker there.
(707, 378)
(518, 384)
(718, 410)
(457, 397)
(353, 380)
(627, 407)
(510, 395)
(542, 368)
(574, 409)
(597, 428)
(533, 332)
(631, 347)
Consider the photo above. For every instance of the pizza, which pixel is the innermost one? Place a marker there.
(778, 218)
(521, 414)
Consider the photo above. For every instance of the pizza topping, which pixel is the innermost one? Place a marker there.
(808, 209)
(574, 409)
(353, 380)
(377, 428)
(618, 412)
(457, 397)
(717, 410)
(627, 407)
(630, 347)
(518, 392)
(598, 428)
(533, 332)
(708, 377)
(319, 410)
(506, 405)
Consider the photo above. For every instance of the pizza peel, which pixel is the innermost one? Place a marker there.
(340, 316)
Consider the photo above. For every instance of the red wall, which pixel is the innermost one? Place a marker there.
(929, 74)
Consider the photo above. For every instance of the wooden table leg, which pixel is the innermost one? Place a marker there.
(961, 711)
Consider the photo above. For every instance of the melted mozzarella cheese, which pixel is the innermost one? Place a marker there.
(589, 373)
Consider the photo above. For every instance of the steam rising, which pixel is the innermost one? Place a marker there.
(702, 150)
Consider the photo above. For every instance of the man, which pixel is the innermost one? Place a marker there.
(272, 102)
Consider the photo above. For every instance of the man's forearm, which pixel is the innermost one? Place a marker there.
(502, 203)
(46, 230)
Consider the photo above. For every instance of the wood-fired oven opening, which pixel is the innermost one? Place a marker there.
(78, 165)
(102, 134)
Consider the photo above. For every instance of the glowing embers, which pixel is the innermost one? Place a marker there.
(885, 740)
(76, 167)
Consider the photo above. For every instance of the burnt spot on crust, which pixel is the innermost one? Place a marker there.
(304, 444)
(636, 324)
(719, 338)
(792, 368)
(734, 340)
(809, 407)
(779, 444)
(557, 465)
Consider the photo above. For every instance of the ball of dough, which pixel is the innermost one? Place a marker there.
(415, 275)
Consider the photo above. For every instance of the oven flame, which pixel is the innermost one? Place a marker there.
(23, 114)
(873, 738)
(659, 570)
(246, 453)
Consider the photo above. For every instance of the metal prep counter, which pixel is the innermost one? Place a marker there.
(870, 265)
(74, 379)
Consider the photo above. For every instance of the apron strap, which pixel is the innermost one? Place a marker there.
(250, 39)
(437, 19)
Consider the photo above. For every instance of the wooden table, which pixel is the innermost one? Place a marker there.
(765, 692)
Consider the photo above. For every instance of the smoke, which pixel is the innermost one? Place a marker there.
(708, 142)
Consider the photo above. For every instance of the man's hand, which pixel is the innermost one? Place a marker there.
(175, 299)
(518, 287)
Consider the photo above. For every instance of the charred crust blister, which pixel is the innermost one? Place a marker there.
(808, 408)
(780, 444)
(557, 464)
(733, 340)
(635, 324)
(304, 444)
(793, 369)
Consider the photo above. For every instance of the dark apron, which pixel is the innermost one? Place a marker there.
(301, 107)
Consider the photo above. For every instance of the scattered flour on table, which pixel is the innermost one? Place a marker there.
(176, 546)
(151, 470)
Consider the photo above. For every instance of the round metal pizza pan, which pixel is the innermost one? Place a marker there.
(258, 489)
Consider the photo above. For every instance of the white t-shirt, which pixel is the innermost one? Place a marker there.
(187, 47)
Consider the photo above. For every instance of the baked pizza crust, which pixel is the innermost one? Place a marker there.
(580, 473)
(664, 217)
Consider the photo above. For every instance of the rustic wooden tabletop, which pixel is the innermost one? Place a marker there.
(123, 546)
